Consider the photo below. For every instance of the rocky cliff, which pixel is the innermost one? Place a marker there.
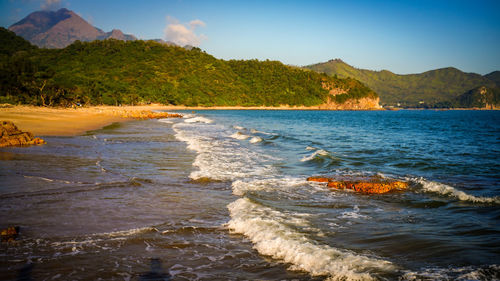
(480, 98)
(367, 103)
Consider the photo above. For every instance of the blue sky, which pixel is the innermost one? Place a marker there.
(400, 36)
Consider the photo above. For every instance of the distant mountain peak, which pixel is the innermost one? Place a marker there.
(119, 35)
(58, 29)
(337, 60)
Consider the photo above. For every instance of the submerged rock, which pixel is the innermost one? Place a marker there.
(10, 135)
(10, 234)
(372, 185)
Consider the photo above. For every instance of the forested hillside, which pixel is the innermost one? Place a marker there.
(480, 97)
(412, 90)
(117, 72)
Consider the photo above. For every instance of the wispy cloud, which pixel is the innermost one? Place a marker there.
(51, 4)
(184, 34)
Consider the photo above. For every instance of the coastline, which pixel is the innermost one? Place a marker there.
(53, 121)
(48, 121)
(45, 121)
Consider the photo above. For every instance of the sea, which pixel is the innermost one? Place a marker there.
(223, 195)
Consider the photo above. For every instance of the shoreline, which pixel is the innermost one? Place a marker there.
(53, 121)
(59, 121)
(46, 121)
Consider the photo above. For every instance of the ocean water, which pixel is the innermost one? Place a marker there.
(222, 195)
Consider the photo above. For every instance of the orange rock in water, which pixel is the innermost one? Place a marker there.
(9, 234)
(318, 179)
(372, 185)
(38, 141)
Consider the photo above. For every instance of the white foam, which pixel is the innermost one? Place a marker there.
(314, 154)
(219, 156)
(49, 180)
(353, 214)
(128, 232)
(254, 131)
(450, 273)
(271, 234)
(96, 240)
(255, 139)
(443, 189)
(239, 136)
(199, 119)
(166, 121)
(310, 148)
(240, 187)
(238, 128)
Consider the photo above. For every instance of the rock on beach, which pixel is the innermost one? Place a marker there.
(10, 135)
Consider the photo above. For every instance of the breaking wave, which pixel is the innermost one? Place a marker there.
(446, 190)
(255, 139)
(239, 136)
(219, 156)
(318, 154)
(199, 119)
(254, 131)
(239, 128)
(241, 187)
(290, 236)
(273, 234)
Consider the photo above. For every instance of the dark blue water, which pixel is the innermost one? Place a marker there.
(222, 195)
(461, 147)
(445, 226)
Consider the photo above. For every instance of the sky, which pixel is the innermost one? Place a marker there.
(400, 36)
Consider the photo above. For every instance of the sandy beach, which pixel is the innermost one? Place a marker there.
(53, 121)
(44, 121)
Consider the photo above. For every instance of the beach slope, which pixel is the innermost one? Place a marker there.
(44, 121)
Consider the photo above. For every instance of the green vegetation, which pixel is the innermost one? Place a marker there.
(426, 89)
(480, 97)
(136, 72)
(494, 76)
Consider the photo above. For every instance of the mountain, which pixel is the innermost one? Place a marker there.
(118, 35)
(410, 90)
(131, 72)
(494, 76)
(58, 29)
